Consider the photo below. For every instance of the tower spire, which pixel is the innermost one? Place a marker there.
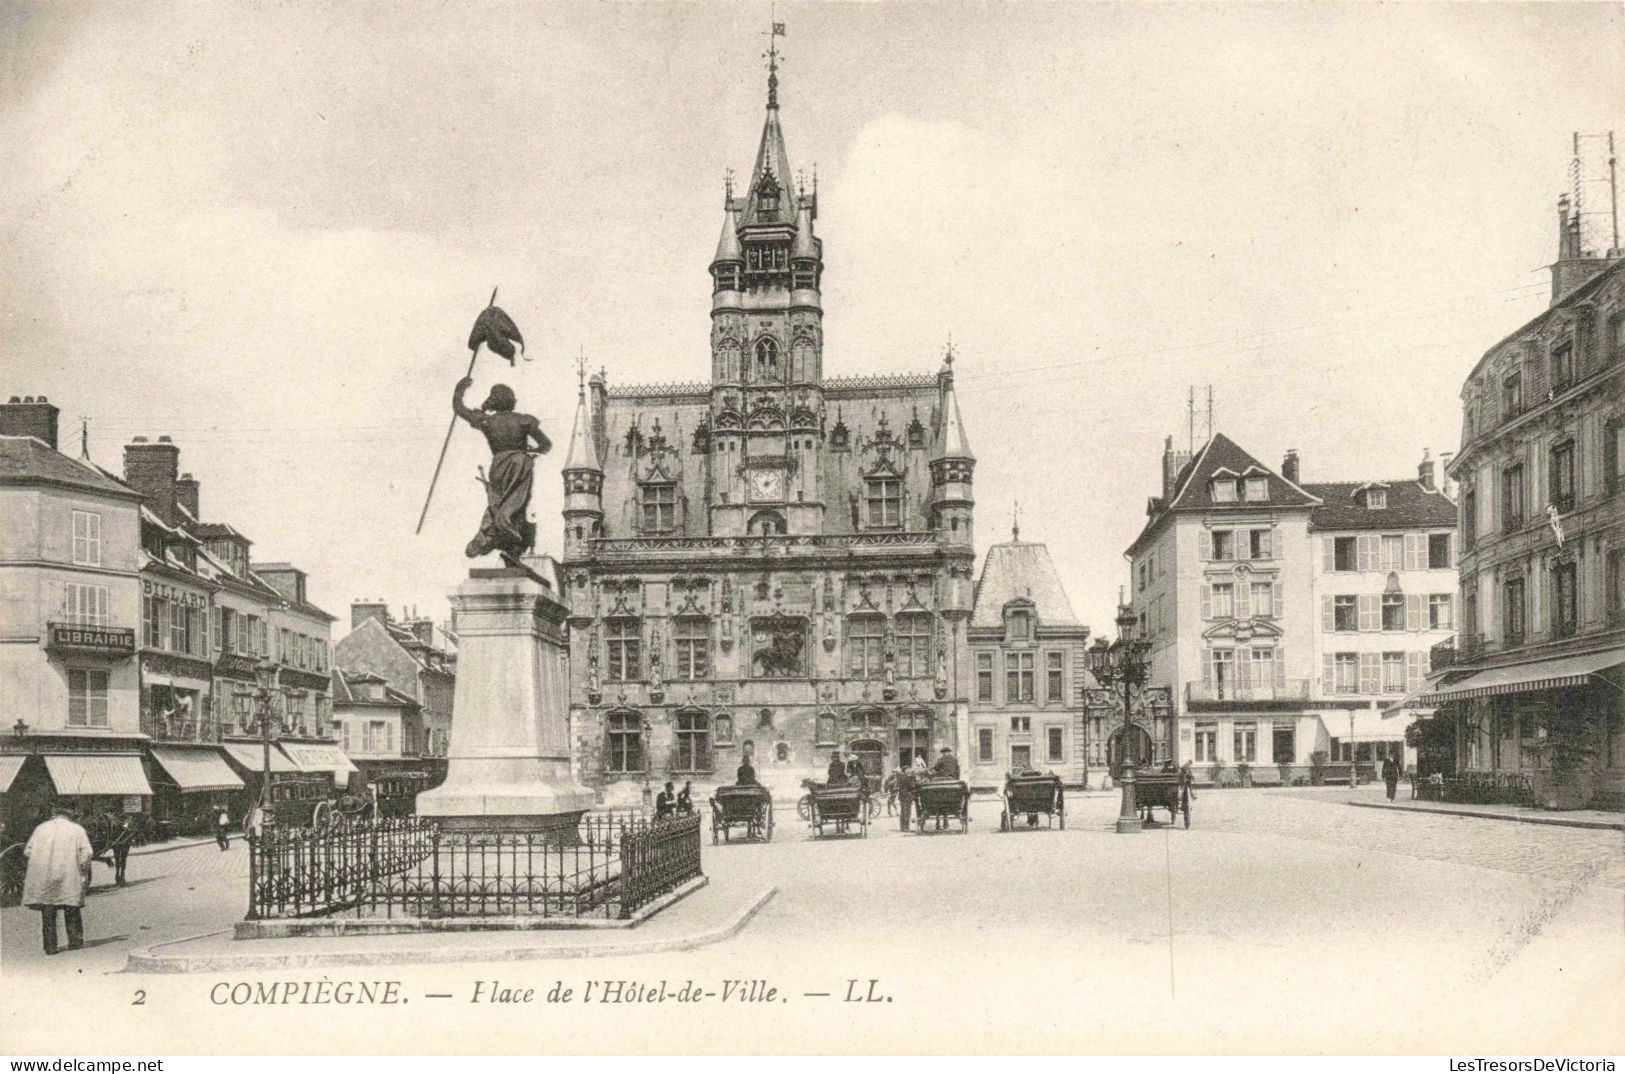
(775, 32)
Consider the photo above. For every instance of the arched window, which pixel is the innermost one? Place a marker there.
(801, 361)
(625, 752)
(767, 360)
(766, 524)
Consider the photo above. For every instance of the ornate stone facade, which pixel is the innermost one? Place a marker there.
(771, 562)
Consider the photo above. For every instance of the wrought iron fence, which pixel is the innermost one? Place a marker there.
(610, 865)
(1490, 788)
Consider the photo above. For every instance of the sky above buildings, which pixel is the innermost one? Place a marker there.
(265, 230)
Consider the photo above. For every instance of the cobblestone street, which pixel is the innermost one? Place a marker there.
(1275, 910)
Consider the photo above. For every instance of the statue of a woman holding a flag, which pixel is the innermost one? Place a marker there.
(504, 528)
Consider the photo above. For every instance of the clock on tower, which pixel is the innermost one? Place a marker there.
(766, 485)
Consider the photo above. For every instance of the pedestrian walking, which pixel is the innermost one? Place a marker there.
(222, 829)
(1390, 775)
(58, 876)
(905, 796)
(123, 840)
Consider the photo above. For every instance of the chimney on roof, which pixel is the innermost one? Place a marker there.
(1172, 462)
(186, 490)
(1424, 471)
(1289, 465)
(153, 470)
(29, 416)
(1446, 485)
(361, 611)
(422, 629)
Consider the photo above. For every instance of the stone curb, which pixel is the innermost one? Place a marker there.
(143, 960)
(1558, 822)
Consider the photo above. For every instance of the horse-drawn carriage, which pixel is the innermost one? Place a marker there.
(1031, 794)
(1167, 788)
(840, 806)
(749, 806)
(344, 811)
(942, 800)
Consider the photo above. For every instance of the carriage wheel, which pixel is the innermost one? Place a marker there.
(804, 807)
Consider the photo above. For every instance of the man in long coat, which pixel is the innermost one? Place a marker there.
(58, 876)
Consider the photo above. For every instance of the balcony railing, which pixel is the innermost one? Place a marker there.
(1461, 649)
(890, 538)
(173, 729)
(1281, 690)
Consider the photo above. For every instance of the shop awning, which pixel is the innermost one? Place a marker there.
(252, 757)
(9, 767)
(1427, 697)
(196, 769)
(320, 758)
(1535, 675)
(99, 773)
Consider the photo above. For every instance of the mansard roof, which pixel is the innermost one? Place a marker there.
(1021, 570)
(1410, 506)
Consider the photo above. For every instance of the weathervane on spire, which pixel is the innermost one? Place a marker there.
(581, 372)
(728, 190)
(1015, 521)
(772, 57)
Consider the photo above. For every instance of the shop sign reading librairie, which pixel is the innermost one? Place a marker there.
(119, 641)
(173, 594)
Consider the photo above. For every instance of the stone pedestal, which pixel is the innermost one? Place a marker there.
(509, 762)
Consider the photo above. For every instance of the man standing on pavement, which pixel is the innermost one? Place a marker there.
(58, 876)
(1390, 775)
(222, 829)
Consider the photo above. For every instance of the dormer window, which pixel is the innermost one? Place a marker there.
(1376, 499)
(1258, 489)
(885, 501)
(1512, 394)
(1562, 363)
(1018, 626)
(1224, 490)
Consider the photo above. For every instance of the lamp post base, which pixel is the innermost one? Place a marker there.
(1125, 825)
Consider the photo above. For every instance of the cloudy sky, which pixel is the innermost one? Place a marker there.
(264, 230)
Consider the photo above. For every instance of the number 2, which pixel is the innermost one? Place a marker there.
(140, 999)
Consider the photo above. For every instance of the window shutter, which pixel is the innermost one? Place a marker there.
(1328, 554)
(1413, 552)
(1328, 613)
(1280, 666)
(1207, 602)
(1364, 548)
(1370, 612)
(1413, 611)
(1277, 599)
(1370, 673)
(1244, 600)
(1328, 671)
(1207, 668)
(1413, 672)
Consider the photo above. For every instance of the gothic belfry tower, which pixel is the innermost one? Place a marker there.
(952, 466)
(767, 405)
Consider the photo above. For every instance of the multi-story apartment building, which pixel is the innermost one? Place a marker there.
(70, 605)
(1027, 648)
(210, 618)
(1284, 617)
(770, 561)
(1533, 679)
(1385, 588)
(414, 663)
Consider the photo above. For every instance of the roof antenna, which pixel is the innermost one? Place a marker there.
(84, 438)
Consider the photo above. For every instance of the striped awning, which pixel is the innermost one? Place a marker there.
(97, 773)
(9, 767)
(251, 755)
(195, 769)
(317, 757)
(1548, 674)
(1425, 698)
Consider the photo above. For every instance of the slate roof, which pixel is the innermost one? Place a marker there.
(344, 689)
(1021, 569)
(26, 460)
(1410, 506)
(1221, 456)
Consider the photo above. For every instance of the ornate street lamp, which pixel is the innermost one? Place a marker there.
(265, 673)
(1124, 663)
(648, 759)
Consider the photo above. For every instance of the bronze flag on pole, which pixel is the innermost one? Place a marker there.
(497, 331)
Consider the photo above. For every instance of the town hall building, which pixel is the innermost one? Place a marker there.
(768, 563)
